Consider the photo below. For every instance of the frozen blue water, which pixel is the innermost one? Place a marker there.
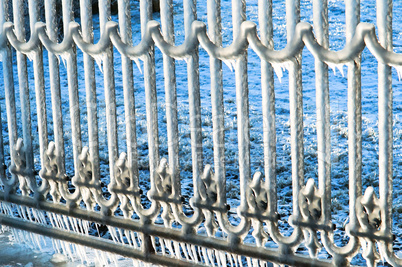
(338, 94)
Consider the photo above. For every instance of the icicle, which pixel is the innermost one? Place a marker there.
(78, 226)
(231, 63)
(235, 258)
(199, 253)
(68, 246)
(211, 255)
(10, 211)
(116, 235)
(24, 215)
(194, 252)
(184, 248)
(382, 254)
(71, 223)
(177, 249)
(223, 258)
(191, 253)
(134, 239)
(81, 252)
(40, 240)
(29, 216)
(204, 256)
(97, 229)
(84, 226)
(1, 60)
(137, 62)
(62, 248)
(19, 212)
(249, 262)
(218, 258)
(77, 252)
(230, 259)
(121, 235)
(42, 215)
(99, 61)
(279, 68)
(153, 241)
(340, 68)
(56, 245)
(112, 258)
(31, 242)
(398, 70)
(168, 245)
(30, 55)
(52, 222)
(255, 263)
(128, 237)
(112, 234)
(135, 263)
(34, 244)
(334, 66)
(162, 241)
(65, 219)
(278, 71)
(103, 257)
(60, 221)
(35, 216)
(5, 208)
(63, 58)
(97, 257)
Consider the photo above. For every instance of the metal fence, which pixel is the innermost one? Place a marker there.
(49, 203)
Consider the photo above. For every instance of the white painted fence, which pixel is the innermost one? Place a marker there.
(43, 203)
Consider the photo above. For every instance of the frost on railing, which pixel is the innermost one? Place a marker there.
(162, 226)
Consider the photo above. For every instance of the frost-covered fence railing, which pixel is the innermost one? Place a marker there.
(46, 202)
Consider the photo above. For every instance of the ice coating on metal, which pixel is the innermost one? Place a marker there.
(206, 235)
(365, 37)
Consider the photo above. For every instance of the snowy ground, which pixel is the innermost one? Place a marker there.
(15, 253)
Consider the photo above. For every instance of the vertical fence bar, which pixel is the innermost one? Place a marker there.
(109, 87)
(214, 32)
(9, 91)
(19, 27)
(90, 88)
(296, 107)
(39, 91)
(385, 134)
(268, 104)
(193, 80)
(128, 87)
(54, 77)
(166, 7)
(352, 13)
(320, 17)
(3, 15)
(242, 105)
(150, 94)
(72, 88)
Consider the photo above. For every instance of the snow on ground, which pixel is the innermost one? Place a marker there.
(15, 253)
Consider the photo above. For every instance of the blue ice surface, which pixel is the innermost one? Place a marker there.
(338, 107)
